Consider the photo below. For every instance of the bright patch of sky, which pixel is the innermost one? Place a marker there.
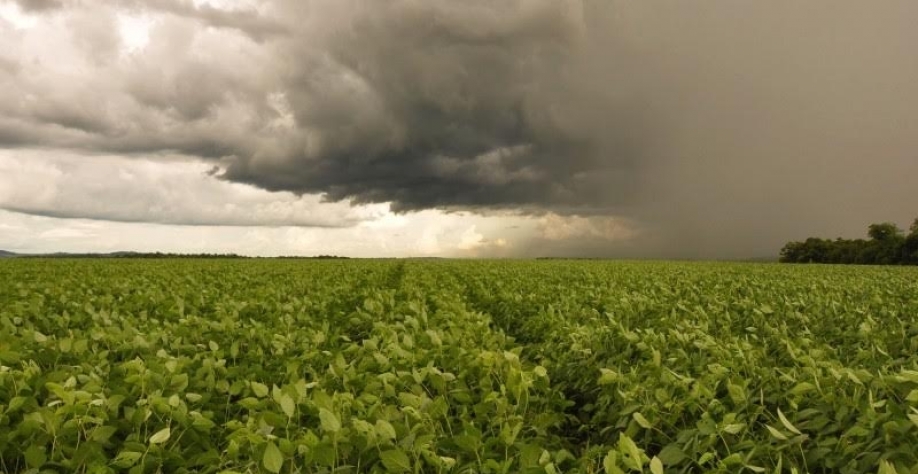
(134, 31)
(12, 13)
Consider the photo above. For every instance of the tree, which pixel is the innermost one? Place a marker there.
(887, 246)
(884, 232)
(791, 252)
(910, 245)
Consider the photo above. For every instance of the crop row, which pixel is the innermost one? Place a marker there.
(454, 366)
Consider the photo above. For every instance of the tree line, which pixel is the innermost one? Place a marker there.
(887, 245)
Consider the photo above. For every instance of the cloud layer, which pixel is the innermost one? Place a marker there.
(721, 129)
(421, 104)
(176, 192)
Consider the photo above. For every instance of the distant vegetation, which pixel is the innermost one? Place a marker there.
(318, 257)
(888, 245)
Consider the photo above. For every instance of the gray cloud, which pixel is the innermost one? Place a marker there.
(39, 5)
(8, 67)
(433, 104)
(77, 89)
(721, 129)
(249, 20)
(246, 20)
(174, 191)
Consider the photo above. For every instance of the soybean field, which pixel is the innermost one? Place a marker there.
(444, 366)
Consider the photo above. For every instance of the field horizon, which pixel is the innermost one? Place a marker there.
(127, 254)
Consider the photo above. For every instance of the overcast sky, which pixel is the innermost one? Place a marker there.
(472, 128)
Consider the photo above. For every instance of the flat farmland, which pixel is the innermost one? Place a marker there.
(430, 366)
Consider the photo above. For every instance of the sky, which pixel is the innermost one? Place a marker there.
(476, 128)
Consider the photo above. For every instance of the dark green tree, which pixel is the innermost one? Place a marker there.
(884, 232)
(887, 246)
(910, 245)
(791, 252)
(886, 243)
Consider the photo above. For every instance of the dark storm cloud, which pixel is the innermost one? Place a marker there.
(440, 104)
(722, 128)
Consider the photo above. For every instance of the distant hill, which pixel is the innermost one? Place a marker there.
(5, 254)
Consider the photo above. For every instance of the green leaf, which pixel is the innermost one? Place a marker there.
(912, 396)
(777, 434)
(126, 459)
(909, 375)
(201, 423)
(287, 405)
(737, 393)
(801, 388)
(607, 376)
(103, 433)
(329, 421)
(447, 462)
(16, 403)
(887, 468)
(10, 357)
(395, 460)
(914, 418)
(610, 463)
(787, 424)
(259, 389)
(385, 429)
(639, 418)
(732, 460)
(272, 460)
(250, 403)
(35, 456)
(161, 436)
(656, 466)
(635, 456)
(734, 428)
(671, 455)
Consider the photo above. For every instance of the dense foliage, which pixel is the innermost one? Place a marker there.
(888, 245)
(456, 366)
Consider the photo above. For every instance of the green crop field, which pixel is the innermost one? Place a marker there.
(410, 366)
